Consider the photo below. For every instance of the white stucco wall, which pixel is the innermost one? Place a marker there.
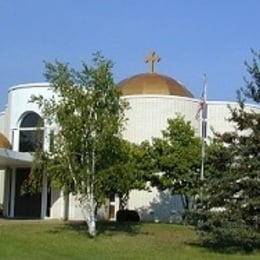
(4, 121)
(153, 205)
(148, 115)
(56, 202)
(219, 113)
(3, 130)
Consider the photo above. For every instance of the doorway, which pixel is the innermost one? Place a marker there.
(26, 205)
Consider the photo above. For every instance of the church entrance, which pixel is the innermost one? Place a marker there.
(111, 209)
(25, 205)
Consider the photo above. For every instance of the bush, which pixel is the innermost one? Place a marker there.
(219, 233)
(127, 215)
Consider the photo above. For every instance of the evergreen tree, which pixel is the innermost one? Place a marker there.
(231, 202)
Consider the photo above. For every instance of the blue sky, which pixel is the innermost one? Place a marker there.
(192, 37)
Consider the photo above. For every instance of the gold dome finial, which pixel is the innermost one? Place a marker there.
(151, 59)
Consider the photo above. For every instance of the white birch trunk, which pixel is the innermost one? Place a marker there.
(88, 207)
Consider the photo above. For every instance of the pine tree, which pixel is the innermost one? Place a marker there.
(231, 204)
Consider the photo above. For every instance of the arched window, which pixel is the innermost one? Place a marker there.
(31, 133)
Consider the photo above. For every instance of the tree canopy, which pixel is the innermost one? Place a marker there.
(176, 159)
(127, 172)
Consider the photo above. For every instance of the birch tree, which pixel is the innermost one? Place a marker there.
(88, 116)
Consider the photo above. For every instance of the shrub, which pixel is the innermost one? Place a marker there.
(127, 215)
(223, 233)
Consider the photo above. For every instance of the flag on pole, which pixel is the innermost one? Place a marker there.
(202, 102)
(202, 116)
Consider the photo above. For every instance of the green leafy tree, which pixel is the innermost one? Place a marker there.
(231, 205)
(88, 115)
(176, 159)
(127, 172)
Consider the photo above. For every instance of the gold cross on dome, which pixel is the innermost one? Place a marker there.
(151, 59)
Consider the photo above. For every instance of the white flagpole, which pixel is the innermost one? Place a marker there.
(203, 123)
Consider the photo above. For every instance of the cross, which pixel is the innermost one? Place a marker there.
(151, 59)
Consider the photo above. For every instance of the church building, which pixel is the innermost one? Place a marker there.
(153, 99)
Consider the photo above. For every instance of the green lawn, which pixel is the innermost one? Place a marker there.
(70, 241)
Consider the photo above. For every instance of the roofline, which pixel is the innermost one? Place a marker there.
(158, 95)
(215, 102)
(224, 102)
(29, 85)
(197, 100)
(13, 158)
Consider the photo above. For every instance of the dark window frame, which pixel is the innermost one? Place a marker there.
(31, 133)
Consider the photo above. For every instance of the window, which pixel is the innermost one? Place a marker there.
(31, 133)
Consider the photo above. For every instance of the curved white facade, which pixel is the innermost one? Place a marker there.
(19, 104)
(147, 117)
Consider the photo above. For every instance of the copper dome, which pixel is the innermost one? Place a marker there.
(152, 83)
(4, 143)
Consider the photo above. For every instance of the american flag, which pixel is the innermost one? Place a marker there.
(202, 102)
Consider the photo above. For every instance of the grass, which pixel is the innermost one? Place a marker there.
(126, 241)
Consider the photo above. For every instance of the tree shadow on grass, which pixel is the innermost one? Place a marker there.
(115, 228)
(221, 249)
(104, 228)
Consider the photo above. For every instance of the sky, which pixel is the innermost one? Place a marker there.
(192, 37)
